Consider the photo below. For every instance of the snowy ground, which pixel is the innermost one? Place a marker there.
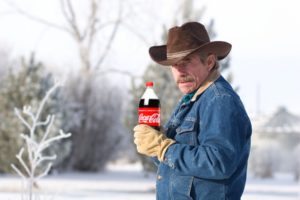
(131, 183)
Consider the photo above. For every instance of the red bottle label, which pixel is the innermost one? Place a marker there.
(149, 116)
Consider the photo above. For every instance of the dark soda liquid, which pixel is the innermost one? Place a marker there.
(153, 103)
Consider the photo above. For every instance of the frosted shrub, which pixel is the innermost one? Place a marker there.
(36, 147)
(97, 130)
(265, 160)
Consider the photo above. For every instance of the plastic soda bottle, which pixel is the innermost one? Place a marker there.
(149, 108)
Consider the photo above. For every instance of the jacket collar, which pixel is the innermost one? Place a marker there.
(212, 77)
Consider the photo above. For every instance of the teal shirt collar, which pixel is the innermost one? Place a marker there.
(187, 98)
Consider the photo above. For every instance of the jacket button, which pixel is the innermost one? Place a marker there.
(159, 177)
(179, 129)
(166, 159)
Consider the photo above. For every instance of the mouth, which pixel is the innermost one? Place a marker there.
(184, 82)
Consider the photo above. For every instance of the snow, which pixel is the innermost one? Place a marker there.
(129, 182)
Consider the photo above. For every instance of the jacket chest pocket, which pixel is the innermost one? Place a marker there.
(186, 133)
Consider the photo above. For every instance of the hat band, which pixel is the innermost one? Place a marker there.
(179, 54)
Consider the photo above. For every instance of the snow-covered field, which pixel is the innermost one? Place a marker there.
(129, 182)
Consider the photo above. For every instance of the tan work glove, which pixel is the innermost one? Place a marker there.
(151, 142)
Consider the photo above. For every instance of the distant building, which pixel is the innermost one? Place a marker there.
(281, 126)
(274, 138)
(281, 122)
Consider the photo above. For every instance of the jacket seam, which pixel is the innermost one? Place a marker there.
(215, 89)
(191, 185)
(190, 129)
(176, 121)
(170, 186)
(192, 139)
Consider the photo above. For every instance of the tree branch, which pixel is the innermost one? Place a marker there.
(22, 119)
(18, 171)
(44, 173)
(44, 123)
(45, 158)
(48, 128)
(57, 84)
(19, 156)
(28, 138)
(110, 39)
(24, 13)
(140, 36)
(62, 6)
(91, 23)
(72, 19)
(105, 24)
(102, 72)
(26, 110)
(46, 143)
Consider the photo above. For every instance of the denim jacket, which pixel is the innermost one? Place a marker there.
(209, 160)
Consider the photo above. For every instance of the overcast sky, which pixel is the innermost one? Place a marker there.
(264, 36)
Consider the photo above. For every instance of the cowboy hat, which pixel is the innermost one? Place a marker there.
(183, 41)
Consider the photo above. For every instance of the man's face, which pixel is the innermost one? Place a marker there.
(190, 73)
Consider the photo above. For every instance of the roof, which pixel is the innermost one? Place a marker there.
(281, 122)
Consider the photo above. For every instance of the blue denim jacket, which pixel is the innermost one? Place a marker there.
(209, 160)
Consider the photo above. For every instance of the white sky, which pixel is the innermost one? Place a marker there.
(264, 34)
(265, 38)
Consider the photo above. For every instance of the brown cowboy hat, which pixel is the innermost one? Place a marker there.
(183, 41)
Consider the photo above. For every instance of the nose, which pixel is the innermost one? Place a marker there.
(181, 70)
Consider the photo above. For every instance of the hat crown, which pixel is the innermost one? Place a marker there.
(187, 37)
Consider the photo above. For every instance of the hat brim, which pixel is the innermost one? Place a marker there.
(159, 53)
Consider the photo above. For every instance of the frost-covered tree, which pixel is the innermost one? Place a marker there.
(35, 146)
(98, 129)
(164, 84)
(265, 160)
(26, 86)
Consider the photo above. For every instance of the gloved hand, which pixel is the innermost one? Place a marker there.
(151, 142)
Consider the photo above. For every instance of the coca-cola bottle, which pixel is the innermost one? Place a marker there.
(149, 108)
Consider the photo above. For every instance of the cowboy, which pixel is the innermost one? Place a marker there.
(202, 152)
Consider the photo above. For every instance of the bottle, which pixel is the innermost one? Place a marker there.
(149, 108)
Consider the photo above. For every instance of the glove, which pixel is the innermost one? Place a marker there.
(152, 142)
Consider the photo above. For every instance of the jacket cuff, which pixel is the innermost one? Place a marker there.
(168, 158)
(163, 148)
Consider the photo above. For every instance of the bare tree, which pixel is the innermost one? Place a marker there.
(84, 37)
(36, 147)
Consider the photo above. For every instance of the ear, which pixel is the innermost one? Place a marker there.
(210, 62)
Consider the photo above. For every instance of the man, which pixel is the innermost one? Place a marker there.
(202, 152)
